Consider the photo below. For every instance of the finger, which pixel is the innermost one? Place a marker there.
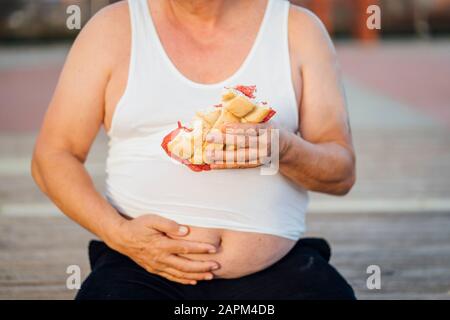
(233, 166)
(191, 266)
(224, 156)
(249, 129)
(215, 136)
(175, 279)
(185, 247)
(167, 226)
(189, 275)
(240, 156)
(241, 141)
(264, 147)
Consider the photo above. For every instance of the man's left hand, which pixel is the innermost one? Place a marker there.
(245, 145)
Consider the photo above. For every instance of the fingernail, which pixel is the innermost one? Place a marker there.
(215, 267)
(193, 282)
(182, 230)
(209, 277)
(213, 250)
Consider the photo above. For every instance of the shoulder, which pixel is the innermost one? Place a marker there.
(300, 14)
(303, 21)
(111, 21)
(111, 15)
(307, 34)
(106, 35)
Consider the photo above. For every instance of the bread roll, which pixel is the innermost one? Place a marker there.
(238, 105)
(257, 115)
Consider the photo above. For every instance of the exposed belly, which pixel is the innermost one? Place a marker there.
(250, 232)
(239, 253)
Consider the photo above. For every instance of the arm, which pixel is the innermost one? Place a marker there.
(71, 124)
(322, 158)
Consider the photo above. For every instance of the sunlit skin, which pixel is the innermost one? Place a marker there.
(197, 35)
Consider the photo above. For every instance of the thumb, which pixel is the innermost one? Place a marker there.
(168, 226)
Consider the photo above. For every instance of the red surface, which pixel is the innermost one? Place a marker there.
(24, 97)
(417, 76)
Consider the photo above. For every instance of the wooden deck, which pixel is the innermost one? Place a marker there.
(412, 250)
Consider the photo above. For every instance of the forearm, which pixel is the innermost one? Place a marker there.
(64, 179)
(326, 167)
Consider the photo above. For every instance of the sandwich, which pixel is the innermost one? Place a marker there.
(238, 105)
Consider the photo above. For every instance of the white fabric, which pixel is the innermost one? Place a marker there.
(142, 179)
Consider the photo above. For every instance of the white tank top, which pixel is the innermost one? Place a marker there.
(142, 179)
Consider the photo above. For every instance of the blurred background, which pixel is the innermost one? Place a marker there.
(398, 87)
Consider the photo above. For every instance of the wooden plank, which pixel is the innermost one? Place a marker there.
(412, 250)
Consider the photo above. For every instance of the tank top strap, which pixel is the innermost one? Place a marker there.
(273, 43)
(279, 19)
(139, 20)
(275, 25)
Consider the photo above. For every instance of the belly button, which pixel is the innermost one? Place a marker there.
(219, 246)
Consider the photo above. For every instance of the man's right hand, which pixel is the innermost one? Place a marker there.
(145, 240)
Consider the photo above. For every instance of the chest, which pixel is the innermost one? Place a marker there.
(208, 57)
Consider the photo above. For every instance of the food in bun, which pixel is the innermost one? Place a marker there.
(188, 145)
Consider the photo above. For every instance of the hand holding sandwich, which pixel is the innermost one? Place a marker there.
(247, 145)
(202, 145)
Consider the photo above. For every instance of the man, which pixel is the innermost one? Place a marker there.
(171, 233)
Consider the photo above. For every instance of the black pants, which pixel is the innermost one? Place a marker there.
(304, 273)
